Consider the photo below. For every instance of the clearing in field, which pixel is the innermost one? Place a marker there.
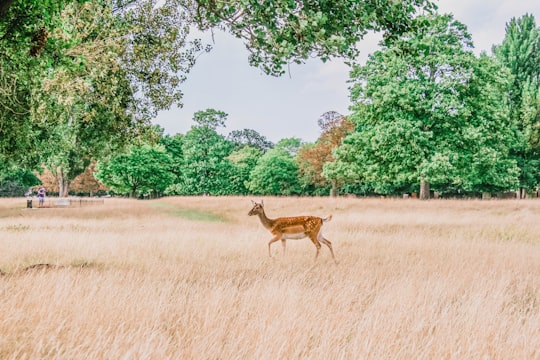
(190, 278)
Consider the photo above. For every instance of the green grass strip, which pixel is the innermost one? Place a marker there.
(189, 214)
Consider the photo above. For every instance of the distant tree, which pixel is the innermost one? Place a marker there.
(173, 145)
(142, 170)
(289, 145)
(15, 181)
(276, 172)
(205, 168)
(312, 157)
(520, 53)
(210, 118)
(243, 162)
(429, 112)
(86, 183)
(249, 137)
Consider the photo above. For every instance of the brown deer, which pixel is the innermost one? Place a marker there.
(297, 227)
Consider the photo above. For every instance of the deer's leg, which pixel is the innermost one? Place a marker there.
(317, 244)
(273, 240)
(284, 245)
(327, 242)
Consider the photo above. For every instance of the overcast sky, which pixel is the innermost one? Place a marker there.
(290, 106)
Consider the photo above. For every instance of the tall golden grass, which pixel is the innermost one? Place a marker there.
(189, 278)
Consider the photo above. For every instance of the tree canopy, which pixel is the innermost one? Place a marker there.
(142, 170)
(520, 53)
(428, 111)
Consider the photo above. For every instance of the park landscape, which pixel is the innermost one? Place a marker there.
(185, 273)
(190, 278)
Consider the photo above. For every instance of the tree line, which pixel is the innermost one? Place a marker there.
(82, 80)
(428, 115)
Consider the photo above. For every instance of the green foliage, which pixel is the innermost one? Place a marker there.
(101, 74)
(83, 79)
(249, 137)
(15, 181)
(276, 172)
(520, 53)
(189, 214)
(289, 145)
(243, 162)
(428, 110)
(205, 168)
(278, 32)
(173, 145)
(142, 170)
(210, 118)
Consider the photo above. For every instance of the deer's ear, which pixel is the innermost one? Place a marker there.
(252, 202)
(262, 203)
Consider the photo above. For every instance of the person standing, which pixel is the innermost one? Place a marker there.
(41, 196)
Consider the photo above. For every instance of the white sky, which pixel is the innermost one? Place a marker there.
(290, 106)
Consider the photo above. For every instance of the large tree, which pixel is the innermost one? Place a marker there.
(205, 168)
(429, 112)
(520, 53)
(143, 170)
(117, 72)
(249, 137)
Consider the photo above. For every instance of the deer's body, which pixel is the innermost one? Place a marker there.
(297, 227)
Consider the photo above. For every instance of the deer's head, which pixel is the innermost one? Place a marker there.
(258, 208)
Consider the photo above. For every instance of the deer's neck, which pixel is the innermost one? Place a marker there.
(267, 223)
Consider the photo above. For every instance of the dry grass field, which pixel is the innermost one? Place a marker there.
(189, 278)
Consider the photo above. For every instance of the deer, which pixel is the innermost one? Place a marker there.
(297, 227)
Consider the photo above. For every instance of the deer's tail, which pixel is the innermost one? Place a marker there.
(327, 219)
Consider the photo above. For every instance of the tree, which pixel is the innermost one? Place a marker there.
(311, 158)
(86, 183)
(520, 53)
(276, 172)
(429, 113)
(173, 145)
(206, 169)
(249, 137)
(243, 162)
(142, 170)
(115, 80)
(15, 181)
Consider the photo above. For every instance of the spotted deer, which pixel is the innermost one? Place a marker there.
(297, 227)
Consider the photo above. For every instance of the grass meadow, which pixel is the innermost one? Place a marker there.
(189, 278)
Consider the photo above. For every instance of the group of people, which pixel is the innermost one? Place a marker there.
(40, 195)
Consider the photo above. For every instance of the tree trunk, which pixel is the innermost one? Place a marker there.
(424, 190)
(333, 190)
(63, 182)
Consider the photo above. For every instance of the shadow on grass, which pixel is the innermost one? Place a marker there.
(49, 267)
